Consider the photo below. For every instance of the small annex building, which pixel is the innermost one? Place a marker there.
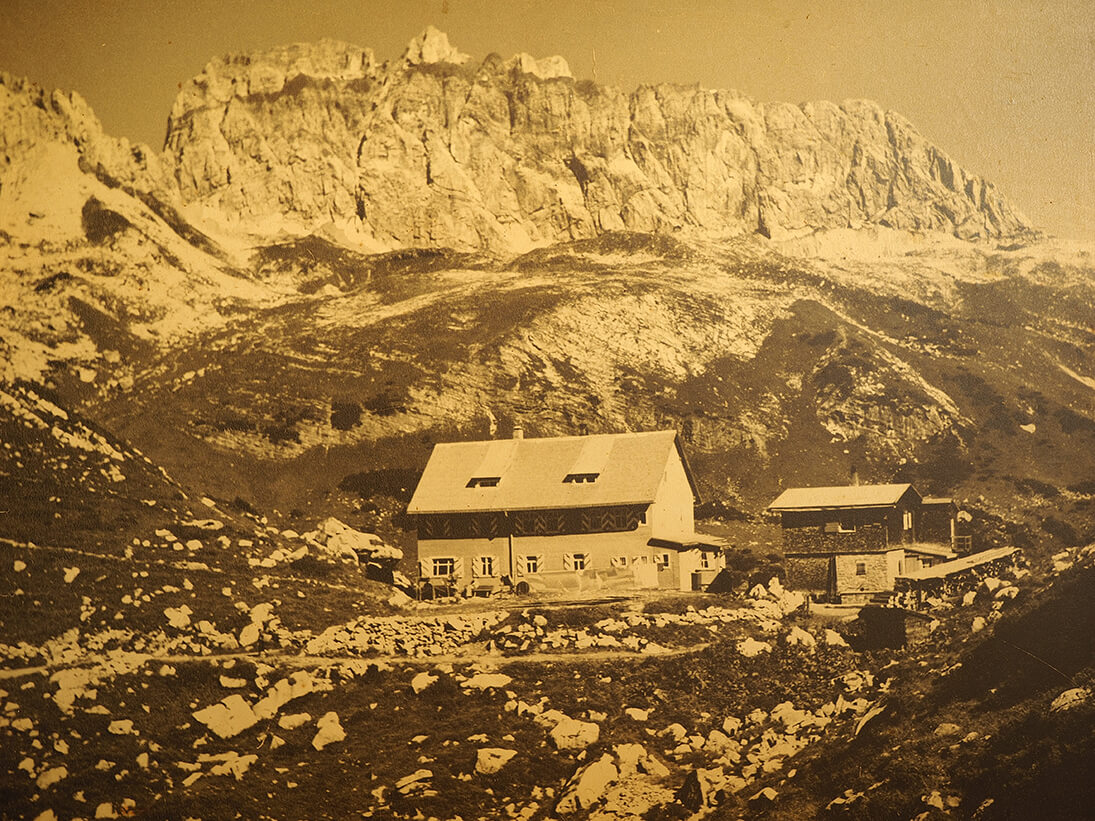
(849, 543)
(561, 513)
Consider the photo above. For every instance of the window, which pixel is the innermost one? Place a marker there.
(861, 568)
(532, 564)
(484, 481)
(484, 566)
(619, 561)
(579, 561)
(444, 567)
(705, 561)
(662, 561)
(845, 525)
(907, 519)
(580, 478)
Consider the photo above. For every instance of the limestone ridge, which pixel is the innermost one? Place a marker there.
(431, 150)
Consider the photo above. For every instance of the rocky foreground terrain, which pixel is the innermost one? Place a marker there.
(213, 352)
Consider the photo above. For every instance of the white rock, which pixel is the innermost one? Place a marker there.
(230, 763)
(19, 565)
(300, 683)
(798, 636)
(232, 683)
(834, 639)
(1069, 699)
(71, 573)
(675, 731)
(105, 810)
(636, 714)
(178, 617)
(250, 634)
(731, 725)
(750, 647)
(587, 787)
(572, 734)
(329, 731)
(490, 760)
(291, 722)
(51, 776)
(421, 681)
(978, 624)
(121, 727)
(483, 681)
(228, 717)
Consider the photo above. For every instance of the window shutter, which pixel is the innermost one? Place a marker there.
(640, 560)
(459, 568)
(619, 561)
(476, 567)
(424, 568)
(540, 563)
(519, 565)
(568, 561)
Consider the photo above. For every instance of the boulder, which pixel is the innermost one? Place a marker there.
(178, 617)
(484, 681)
(588, 786)
(421, 681)
(1070, 699)
(800, 638)
(300, 683)
(329, 730)
(489, 760)
(572, 734)
(834, 639)
(414, 782)
(228, 717)
(51, 776)
(294, 720)
(750, 647)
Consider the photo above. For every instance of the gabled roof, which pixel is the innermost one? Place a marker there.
(629, 468)
(840, 497)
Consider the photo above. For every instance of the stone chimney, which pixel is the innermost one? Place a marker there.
(518, 432)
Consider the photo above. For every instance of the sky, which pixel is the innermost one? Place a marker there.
(1002, 86)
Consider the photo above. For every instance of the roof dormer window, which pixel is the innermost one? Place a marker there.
(580, 478)
(484, 481)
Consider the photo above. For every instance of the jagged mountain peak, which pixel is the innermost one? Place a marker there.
(432, 46)
(515, 154)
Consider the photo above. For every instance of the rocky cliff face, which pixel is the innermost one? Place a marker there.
(433, 151)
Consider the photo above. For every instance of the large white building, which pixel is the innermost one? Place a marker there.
(572, 512)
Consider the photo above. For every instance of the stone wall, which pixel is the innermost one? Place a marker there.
(814, 540)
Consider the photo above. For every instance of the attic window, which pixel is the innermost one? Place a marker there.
(580, 478)
(484, 481)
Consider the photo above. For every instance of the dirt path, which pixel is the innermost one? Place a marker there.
(302, 660)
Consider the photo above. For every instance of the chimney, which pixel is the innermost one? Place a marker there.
(855, 476)
(518, 433)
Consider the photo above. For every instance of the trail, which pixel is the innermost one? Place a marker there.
(304, 660)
